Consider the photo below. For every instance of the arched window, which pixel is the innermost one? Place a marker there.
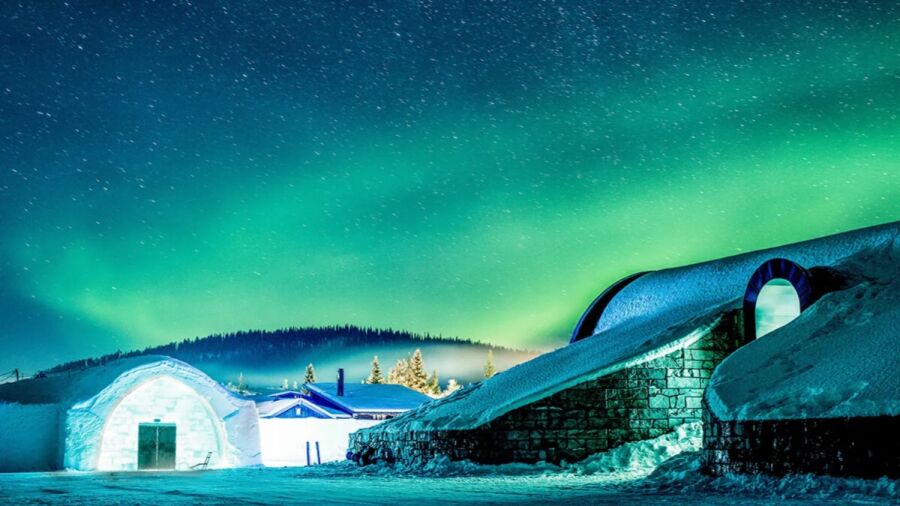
(778, 291)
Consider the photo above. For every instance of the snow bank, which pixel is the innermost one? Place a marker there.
(28, 436)
(667, 468)
(652, 316)
(840, 358)
(682, 475)
(634, 459)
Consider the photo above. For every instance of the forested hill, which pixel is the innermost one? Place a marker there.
(268, 357)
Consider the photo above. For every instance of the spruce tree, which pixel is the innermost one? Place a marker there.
(375, 377)
(310, 375)
(418, 378)
(489, 369)
(399, 373)
(434, 385)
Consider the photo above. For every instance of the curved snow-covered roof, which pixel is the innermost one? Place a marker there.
(99, 388)
(840, 358)
(671, 295)
(72, 386)
(76, 386)
(657, 313)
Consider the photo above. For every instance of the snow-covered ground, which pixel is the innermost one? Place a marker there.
(661, 471)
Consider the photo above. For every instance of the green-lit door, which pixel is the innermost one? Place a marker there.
(156, 446)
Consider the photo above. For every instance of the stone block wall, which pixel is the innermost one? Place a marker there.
(636, 403)
(866, 447)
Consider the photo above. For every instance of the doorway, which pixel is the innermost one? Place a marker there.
(777, 305)
(156, 446)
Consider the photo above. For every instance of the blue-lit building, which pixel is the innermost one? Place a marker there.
(314, 426)
(331, 401)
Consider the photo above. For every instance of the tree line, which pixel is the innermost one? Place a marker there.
(409, 372)
(290, 341)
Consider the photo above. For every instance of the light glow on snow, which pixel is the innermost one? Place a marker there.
(283, 440)
(167, 400)
(777, 305)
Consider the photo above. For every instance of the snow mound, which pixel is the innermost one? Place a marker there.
(631, 459)
(643, 456)
(838, 359)
(682, 475)
(656, 314)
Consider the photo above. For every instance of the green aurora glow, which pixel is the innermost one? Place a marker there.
(496, 218)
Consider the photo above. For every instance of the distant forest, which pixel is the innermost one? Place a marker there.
(259, 344)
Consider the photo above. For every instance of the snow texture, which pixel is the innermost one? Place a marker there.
(28, 437)
(283, 440)
(365, 398)
(839, 358)
(654, 315)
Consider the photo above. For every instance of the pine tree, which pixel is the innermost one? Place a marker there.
(434, 384)
(399, 373)
(418, 378)
(489, 369)
(310, 375)
(284, 384)
(296, 387)
(375, 378)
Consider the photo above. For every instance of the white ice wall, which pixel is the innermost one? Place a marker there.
(236, 419)
(283, 440)
(167, 400)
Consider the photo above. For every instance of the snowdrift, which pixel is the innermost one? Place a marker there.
(840, 358)
(659, 312)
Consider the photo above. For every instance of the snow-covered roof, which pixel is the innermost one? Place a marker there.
(655, 314)
(273, 408)
(839, 358)
(365, 398)
(74, 386)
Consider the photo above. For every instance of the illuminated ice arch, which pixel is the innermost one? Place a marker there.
(778, 291)
(101, 431)
(162, 400)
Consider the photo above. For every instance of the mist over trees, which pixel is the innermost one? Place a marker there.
(260, 346)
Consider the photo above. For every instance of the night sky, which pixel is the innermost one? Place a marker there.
(477, 169)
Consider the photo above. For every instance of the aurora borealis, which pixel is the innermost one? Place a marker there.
(477, 169)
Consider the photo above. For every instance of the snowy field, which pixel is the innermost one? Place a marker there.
(345, 484)
(663, 471)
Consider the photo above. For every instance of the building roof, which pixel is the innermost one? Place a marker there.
(365, 398)
(77, 385)
(274, 408)
(838, 359)
(659, 312)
